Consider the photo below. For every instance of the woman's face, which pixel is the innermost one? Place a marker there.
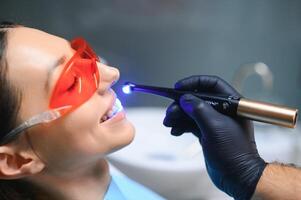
(35, 61)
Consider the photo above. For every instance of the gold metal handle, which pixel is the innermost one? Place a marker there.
(267, 112)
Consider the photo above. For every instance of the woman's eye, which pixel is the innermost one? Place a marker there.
(74, 84)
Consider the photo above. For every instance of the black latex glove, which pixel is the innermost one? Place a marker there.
(229, 147)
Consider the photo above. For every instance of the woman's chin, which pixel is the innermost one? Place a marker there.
(126, 138)
(128, 135)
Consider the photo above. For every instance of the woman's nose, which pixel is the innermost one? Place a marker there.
(108, 76)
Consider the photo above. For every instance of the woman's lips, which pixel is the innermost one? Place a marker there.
(115, 108)
(109, 112)
(115, 118)
(111, 98)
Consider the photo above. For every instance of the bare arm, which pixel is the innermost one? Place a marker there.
(279, 181)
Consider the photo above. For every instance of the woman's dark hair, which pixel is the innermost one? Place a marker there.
(10, 101)
(9, 97)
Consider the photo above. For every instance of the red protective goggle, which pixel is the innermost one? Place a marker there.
(79, 79)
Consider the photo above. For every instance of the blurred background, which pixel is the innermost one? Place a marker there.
(161, 41)
(255, 45)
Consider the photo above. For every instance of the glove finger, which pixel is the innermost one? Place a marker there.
(208, 84)
(175, 114)
(170, 122)
(204, 115)
(179, 130)
(175, 131)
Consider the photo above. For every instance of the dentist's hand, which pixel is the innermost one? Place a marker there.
(229, 147)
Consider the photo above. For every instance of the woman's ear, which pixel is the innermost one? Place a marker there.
(18, 163)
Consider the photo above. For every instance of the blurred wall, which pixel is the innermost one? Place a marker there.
(160, 41)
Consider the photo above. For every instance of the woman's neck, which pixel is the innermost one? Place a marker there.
(88, 183)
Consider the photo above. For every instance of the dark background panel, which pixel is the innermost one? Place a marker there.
(160, 41)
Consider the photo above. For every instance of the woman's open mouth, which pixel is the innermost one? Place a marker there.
(117, 107)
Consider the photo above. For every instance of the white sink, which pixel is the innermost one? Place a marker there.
(156, 158)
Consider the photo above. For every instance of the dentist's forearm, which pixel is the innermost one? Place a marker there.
(279, 181)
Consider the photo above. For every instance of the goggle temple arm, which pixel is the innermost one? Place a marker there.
(44, 117)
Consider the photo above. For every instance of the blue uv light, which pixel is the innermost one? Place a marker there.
(127, 88)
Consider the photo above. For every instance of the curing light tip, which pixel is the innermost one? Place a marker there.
(127, 88)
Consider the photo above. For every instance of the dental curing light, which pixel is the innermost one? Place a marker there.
(229, 105)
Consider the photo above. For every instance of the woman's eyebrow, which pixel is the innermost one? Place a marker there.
(57, 63)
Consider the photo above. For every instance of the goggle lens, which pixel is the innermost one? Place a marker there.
(79, 79)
